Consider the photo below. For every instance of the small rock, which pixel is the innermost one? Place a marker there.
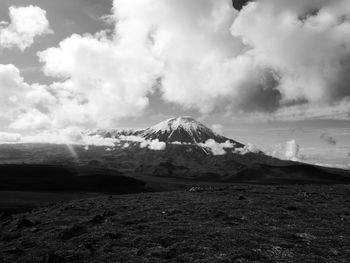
(241, 197)
(167, 241)
(234, 220)
(334, 252)
(219, 214)
(96, 219)
(34, 229)
(7, 237)
(305, 236)
(90, 248)
(170, 212)
(306, 195)
(14, 251)
(73, 231)
(108, 213)
(112, 235)
(4, 215)
(28, 243)
(196, 189)
(53, 258)
(24, 222)
(158, 252)
(292, 208)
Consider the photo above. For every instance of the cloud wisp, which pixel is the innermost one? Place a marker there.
(287, 151)
(328, 138)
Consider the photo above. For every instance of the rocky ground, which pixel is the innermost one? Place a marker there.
(242, 223)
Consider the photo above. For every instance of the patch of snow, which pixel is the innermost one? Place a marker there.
(190, 125)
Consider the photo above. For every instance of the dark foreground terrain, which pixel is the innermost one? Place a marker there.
(27, 186)
(241, 223)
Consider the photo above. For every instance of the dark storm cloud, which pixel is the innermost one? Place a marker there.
(341, 82)
(328, 138)
(261, 96)
(309, 13)
(238, 4)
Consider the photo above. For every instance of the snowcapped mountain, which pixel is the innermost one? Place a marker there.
(182, 147)
(184, 130)
(181, 130)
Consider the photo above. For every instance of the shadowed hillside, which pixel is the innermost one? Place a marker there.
(23, 177)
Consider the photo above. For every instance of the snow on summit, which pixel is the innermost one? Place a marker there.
(187, 123)
(180, 129)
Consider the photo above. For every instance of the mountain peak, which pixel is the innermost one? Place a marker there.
(184, 122)
(183, 129)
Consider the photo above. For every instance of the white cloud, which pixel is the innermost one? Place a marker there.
(288, 151)
(26, 23)
(114, 73)
(6, 137)
(24, 106)
(113, 76)
(217, 148)
(218, 128)
(292, 150)
(236, 60)
(32, 119)
(70, 135)
(11, 89)
(309, 52)
(99, 141)
(156, 145)
(248, 148)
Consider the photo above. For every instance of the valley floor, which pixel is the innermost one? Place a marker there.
(241, 223)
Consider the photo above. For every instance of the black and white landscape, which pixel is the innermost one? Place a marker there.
(174, 131)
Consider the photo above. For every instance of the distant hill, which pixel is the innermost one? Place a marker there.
(40, 177)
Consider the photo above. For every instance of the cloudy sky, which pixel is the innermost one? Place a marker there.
(272, 72)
